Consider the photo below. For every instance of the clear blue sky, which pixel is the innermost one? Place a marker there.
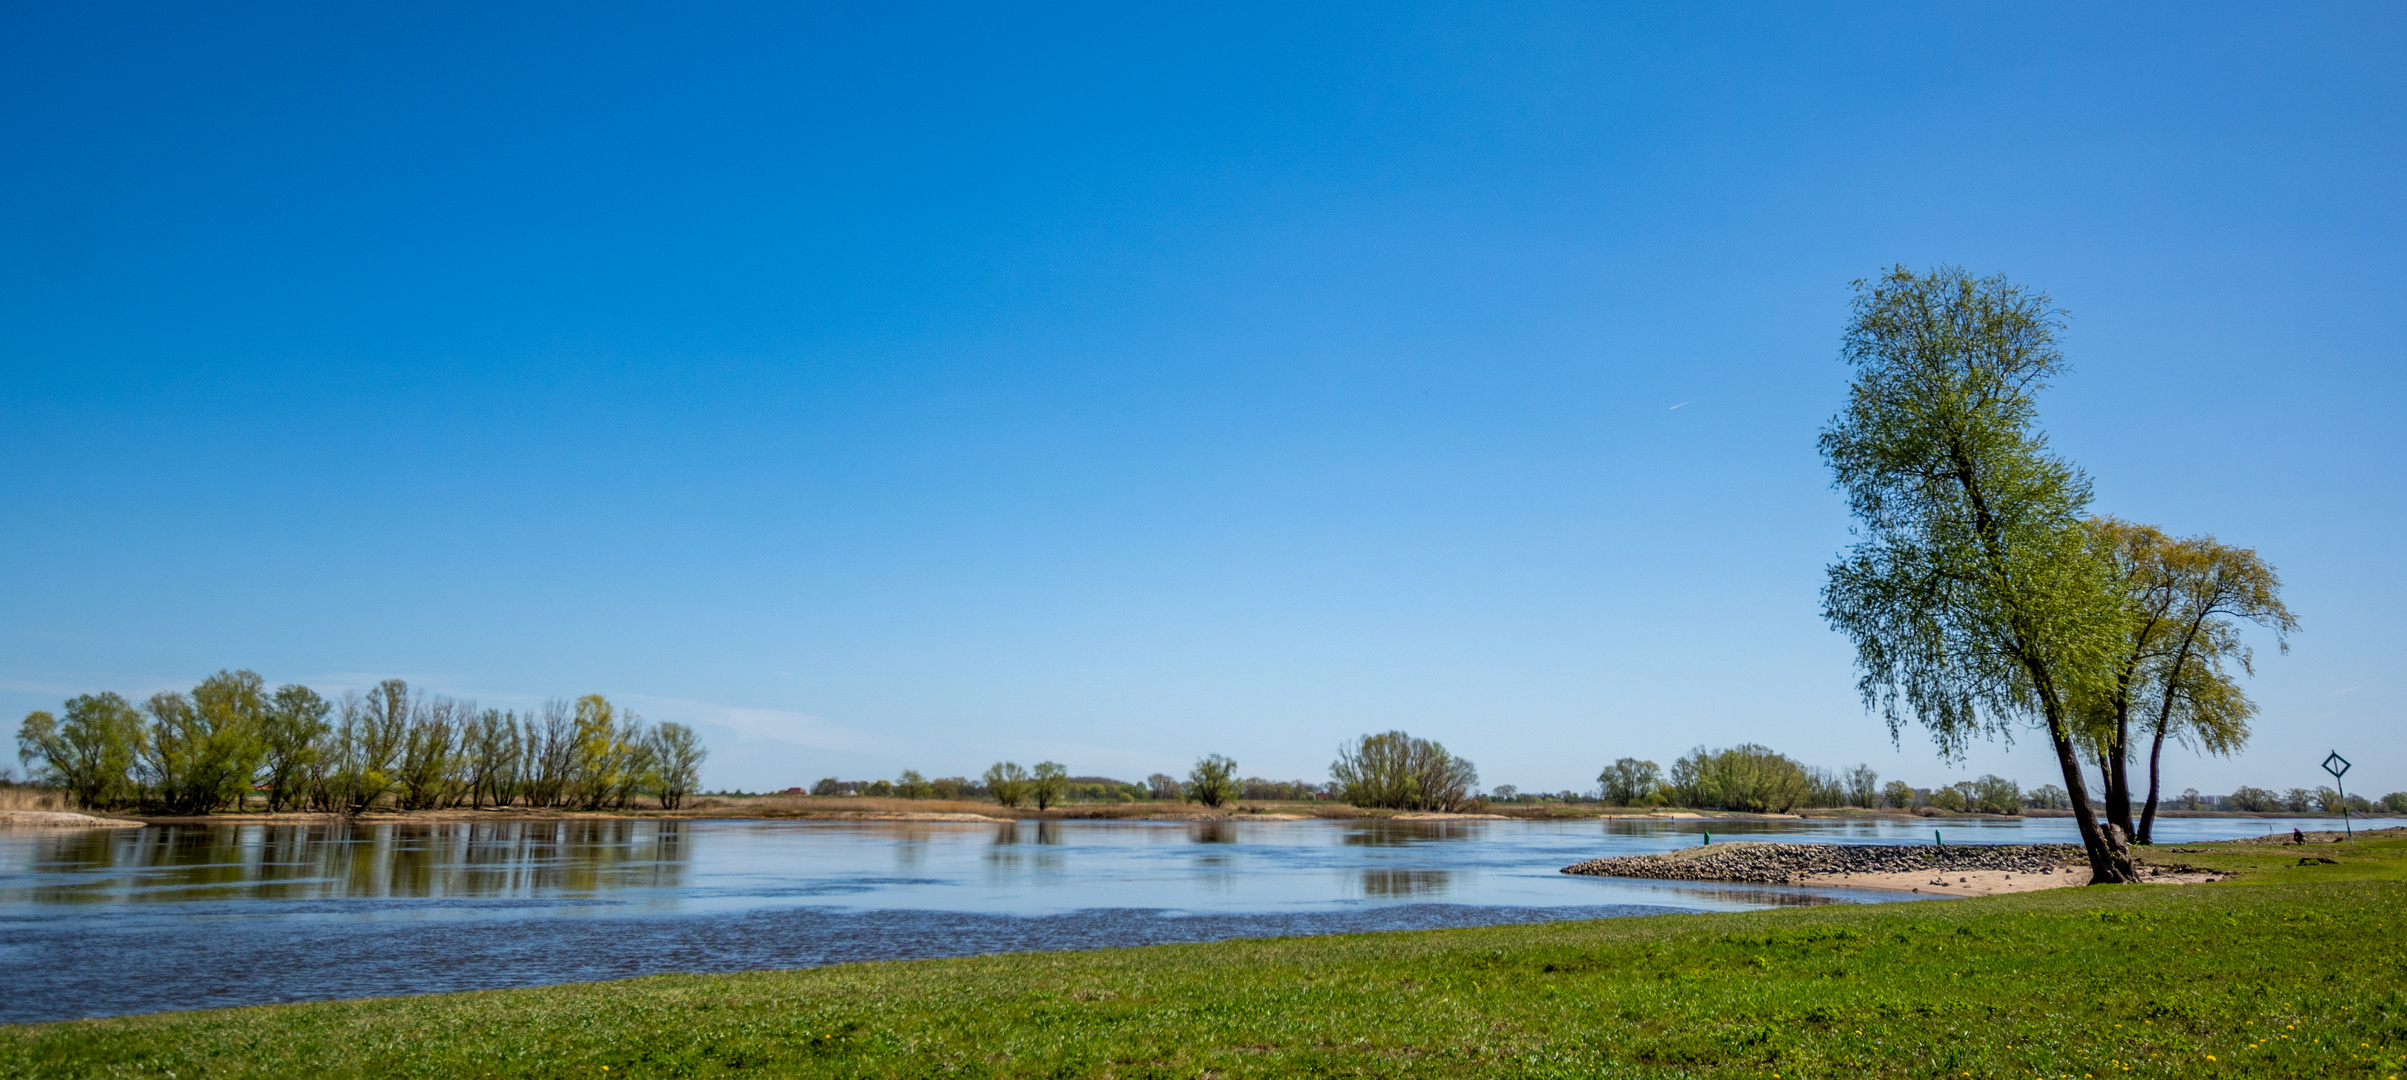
(922, 387)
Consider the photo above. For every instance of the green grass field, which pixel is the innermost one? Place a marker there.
(2290, 971)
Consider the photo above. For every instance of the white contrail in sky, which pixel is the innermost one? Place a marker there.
(1677, 406)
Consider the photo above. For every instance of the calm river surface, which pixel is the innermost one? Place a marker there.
(112, 922)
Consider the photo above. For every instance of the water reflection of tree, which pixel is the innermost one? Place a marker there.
(1406, 883)
(1402, 833)
(1012, 854)
(911, 847)
(363, 860)
(1718, 827)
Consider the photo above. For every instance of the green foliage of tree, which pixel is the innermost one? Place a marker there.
(1213, 781)
(594, 772)
(678, 754)
(1399, 772)
(1007, 783)
(1861, 786)
(912, 785)
(2048, 797)
(1975, 601)
(292, 740)
(492, 754)
(1046, 783)
(232, 708)
(201, 751)
(2255, 800)
(198, 752)
(2395, 802)
(430, 752)
(1259, 789)
(91, 753)
(2183, 601)
(1630, 782)
(636, 768)
(1748, 778)
(1164, 787)
(1897, 795)
(550, 745)
(1824, 788)
(369, 731)
(1986, 795)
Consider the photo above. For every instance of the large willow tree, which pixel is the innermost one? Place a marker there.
(2183, 601)
(1974, 600)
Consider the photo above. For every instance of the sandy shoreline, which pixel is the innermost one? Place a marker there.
(1925, 869)
(59, 819)
(1988, 882)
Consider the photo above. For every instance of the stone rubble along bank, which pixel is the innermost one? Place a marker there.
(1788, 864)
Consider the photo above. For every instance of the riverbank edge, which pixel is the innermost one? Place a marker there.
(834, 808)
(1941, 871)
(872, 808)
(52, 820)
(1268, 812)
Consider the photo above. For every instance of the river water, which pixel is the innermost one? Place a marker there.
(112, 922)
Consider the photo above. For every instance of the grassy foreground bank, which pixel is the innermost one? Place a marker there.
(2290, 971)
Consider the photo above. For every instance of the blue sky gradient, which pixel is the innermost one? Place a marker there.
(927, 386)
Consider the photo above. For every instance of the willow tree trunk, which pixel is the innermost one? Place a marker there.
(2156, 754)
(2107, 866)
(2115, 763)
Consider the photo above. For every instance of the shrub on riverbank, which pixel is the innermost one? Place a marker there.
(1748, 778)
(1398, 772)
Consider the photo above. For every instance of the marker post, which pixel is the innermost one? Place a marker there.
(2328, 766)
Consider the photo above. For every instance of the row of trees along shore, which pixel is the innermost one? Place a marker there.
(1756, 779)
(231, 740)
(1985, 598)
(1392, 770)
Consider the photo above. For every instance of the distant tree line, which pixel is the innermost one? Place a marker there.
(1755, 779)
(231, 739)
(1749, 778)
(1393, 770)
(2295, 800)
(1213, 782)
(1509, 793)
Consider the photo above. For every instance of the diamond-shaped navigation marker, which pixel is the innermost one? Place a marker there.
(2329, 762)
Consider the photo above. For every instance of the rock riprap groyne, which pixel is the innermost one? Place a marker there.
(1762, 863)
